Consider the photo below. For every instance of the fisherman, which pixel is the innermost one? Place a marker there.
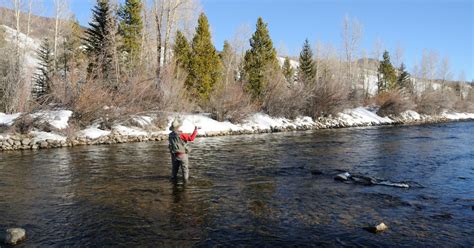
(178, 149)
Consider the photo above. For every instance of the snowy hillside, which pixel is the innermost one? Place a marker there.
(27, 44)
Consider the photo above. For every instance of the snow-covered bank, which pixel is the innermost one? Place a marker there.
(143, 129)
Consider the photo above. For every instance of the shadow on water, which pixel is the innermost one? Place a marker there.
(252, 190)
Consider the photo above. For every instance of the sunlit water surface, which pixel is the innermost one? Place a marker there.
(252, 190)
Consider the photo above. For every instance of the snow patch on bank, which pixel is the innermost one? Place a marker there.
(362, 116)
(43, 136)
(457, 116)
(56, 118)
(129, 131)
(6, 119)
(410, 115)
(93, 133)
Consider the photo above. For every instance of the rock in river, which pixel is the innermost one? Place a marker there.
(343, 176)
(376, 229)
(13, 236)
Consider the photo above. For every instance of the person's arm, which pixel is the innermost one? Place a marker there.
(187, 137)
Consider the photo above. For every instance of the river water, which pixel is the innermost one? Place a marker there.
(251, 190)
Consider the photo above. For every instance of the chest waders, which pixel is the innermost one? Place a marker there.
(179, 157)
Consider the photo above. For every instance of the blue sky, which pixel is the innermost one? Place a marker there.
(446, 26)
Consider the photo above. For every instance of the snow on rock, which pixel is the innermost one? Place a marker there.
(58, 119)
(128, 131)
(42, 136)
(410, 115)
(93, 133)
(362, 116)
(457, 116)
(6, 119)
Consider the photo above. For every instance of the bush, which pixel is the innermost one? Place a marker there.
(330, 97)
(392, 103)
(282, 99)
(230, 102)
(433, 102)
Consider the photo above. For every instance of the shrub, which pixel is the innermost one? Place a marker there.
(329, 97)
(283, 99)
(230, 102)
(433, 102)
(392, 103)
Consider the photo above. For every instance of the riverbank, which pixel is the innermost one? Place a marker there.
(143, 128)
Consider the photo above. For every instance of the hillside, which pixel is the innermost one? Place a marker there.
(40, 27)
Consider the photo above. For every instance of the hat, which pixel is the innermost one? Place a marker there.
(175, 125)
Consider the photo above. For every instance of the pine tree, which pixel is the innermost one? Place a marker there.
(182, 50)
(43, 79)
(403, 81)
(204, 64)
(258, 58)
(100, 41)
(130, 28)
(306, 69)
(388, 75)
(71, 52)
(288, 70)
(229, 63)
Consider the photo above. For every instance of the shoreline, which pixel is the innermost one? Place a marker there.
(17, 142)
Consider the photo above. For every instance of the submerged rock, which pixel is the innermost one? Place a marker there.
(377, 229)
(368, 181)
(343, 176)
(13, 236)
(316, 172)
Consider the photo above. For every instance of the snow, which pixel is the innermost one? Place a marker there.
(29, 44)
(410, 115)
(42, 136)
(362, 116)
(457, 116)
(6, 119)
(206, 124)
(93, 133)
(128, 131)
(58, 119)
(293, 63)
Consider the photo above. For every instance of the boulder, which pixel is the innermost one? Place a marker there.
(43, 145)
(377, 229)
(13, 236)
(26, 142)
(343, 176)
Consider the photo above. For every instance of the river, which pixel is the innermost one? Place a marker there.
(249, 190)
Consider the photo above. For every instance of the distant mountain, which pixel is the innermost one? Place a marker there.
(40, 27)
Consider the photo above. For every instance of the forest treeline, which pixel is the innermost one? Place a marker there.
(158, 56)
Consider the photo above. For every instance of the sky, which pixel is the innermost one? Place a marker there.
(445, 26)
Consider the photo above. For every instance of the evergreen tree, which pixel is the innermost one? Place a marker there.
(182, 50)
(288, 70)
(130, 29)
(100, 41)
(71, 52)
(403, 81)
(204, 64)
(306, 69)
(258, 58)
(43, 79)
(387, 74)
